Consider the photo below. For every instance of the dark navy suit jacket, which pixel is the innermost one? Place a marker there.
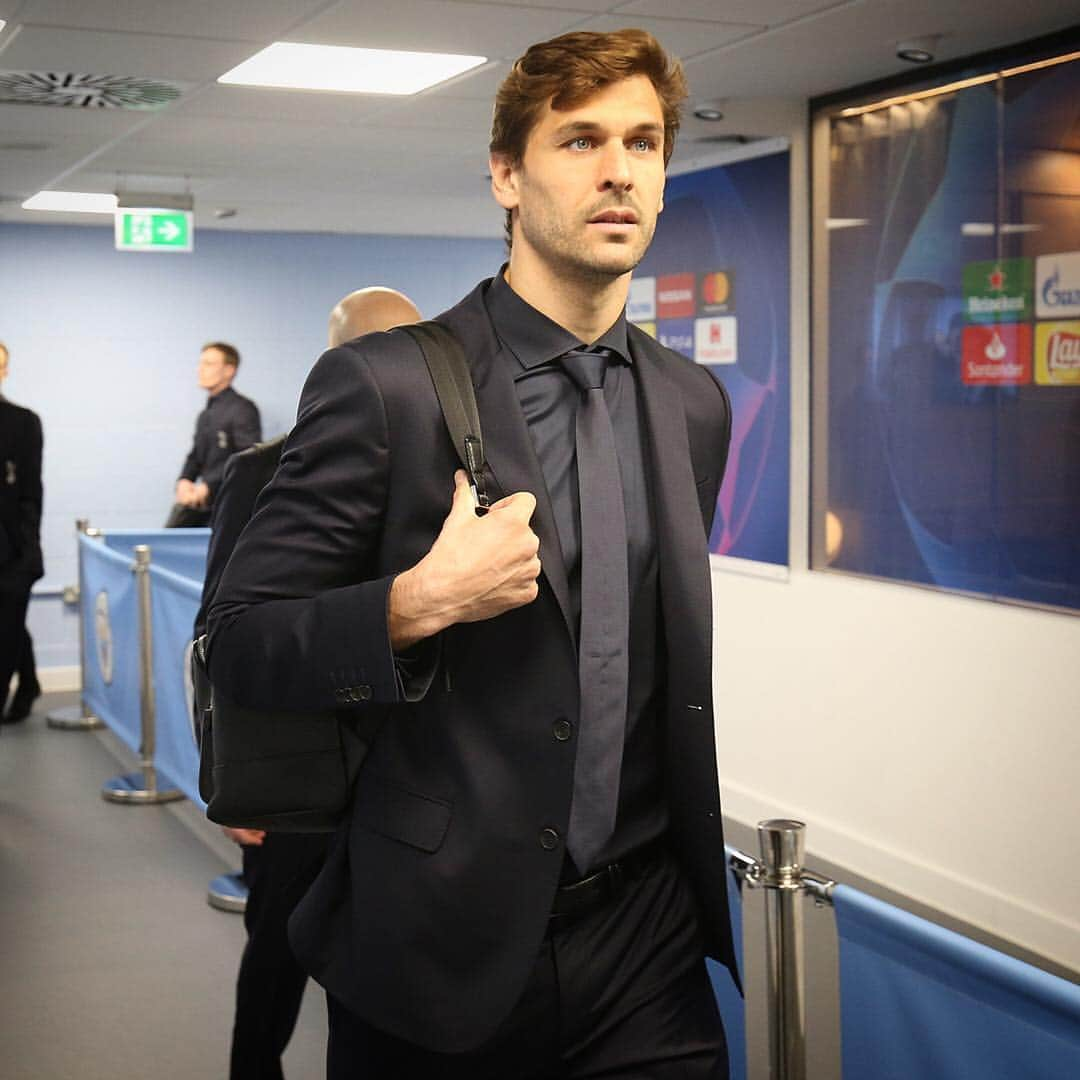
(20, 497)
(435, 898)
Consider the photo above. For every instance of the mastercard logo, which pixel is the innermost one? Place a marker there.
(716, 288)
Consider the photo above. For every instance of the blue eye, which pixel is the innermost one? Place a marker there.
(582, 142)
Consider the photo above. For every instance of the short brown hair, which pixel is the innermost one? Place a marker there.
(568, 70)
(230, 352)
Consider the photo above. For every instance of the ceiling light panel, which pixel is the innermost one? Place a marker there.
(297, 66)
(438, 26)
(72, 202)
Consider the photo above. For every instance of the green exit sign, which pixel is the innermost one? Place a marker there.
(154, 230)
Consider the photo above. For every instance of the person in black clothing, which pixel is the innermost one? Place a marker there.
(530, 874)
(278, 868)
(230, 422)
(20, 546)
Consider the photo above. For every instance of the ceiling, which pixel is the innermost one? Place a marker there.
(293, 160)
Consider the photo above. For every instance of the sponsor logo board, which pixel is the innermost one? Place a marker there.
(641, 303)
(648, 327)
(1057, 285)
(1057, 353)
(998, 291)
(998, 354)
(677, 334)
(716, 292)
(675, 296)
(716, 340)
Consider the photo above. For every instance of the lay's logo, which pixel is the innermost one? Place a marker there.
(1057, 353)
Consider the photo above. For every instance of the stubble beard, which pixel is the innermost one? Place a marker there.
(575, 260)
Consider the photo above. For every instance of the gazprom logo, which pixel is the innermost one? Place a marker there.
(1057, 285)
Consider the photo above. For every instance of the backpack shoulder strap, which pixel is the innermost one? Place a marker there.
(449, 371)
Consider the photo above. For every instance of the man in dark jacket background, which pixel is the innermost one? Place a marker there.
(20, 545)
(229, 423)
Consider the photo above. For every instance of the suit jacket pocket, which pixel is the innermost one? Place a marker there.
(389, 810)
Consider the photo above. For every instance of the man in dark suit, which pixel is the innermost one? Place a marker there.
(229, 423)
(20, 544)
(532, 868)
(278, 868)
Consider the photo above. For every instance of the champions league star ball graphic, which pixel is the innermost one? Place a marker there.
(707, 231)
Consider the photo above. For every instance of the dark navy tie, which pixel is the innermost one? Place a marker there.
(603, 641)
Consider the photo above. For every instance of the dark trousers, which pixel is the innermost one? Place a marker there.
(13, 635)
(270, 984)
(622, 993)
(26, 668)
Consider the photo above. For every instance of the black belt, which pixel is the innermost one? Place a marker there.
(580, 897)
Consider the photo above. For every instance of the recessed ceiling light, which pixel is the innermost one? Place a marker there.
(352, 71)
(709, 110)
(72, 202)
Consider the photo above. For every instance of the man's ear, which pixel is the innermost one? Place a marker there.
(504, 180)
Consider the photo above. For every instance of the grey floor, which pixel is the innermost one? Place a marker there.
(112, 965)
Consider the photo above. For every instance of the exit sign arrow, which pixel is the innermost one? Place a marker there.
(147, 229)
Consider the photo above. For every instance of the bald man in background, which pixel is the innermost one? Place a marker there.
(278, 867)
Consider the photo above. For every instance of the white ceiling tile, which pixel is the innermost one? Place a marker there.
(90, 52)
(464, 115)
(241, 20)
(790, 61)
(492, 30)
(761, 12)
(247, 103)
(550, 5)
(679, 36)
(50, 122)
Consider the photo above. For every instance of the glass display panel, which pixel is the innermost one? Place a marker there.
(947, 356)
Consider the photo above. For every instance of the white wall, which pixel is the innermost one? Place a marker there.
(929, 741)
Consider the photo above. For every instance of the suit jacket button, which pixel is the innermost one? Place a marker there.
(561, 729)
(549, 839)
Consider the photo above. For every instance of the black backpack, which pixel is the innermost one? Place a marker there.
(294, 772)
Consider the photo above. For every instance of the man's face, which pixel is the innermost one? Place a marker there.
(3, 364)
(591, 182)
(214, 373)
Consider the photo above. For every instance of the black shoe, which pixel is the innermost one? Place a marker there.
(22, 703)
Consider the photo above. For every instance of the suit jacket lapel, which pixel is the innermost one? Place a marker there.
(508, 446)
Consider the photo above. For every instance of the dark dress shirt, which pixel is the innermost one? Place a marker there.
(549, 401)
(228, 424)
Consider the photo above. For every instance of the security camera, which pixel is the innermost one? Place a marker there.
(918, 50)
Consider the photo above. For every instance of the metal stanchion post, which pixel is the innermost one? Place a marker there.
(78, 717)
(781, 855)
(780, 872)
(141, 787)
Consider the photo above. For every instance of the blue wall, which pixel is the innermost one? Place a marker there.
(104, 346)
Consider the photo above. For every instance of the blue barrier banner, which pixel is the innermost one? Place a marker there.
(175, 602)
(918, 1000)
(728, 997)
(181, 550)
(110, 615)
